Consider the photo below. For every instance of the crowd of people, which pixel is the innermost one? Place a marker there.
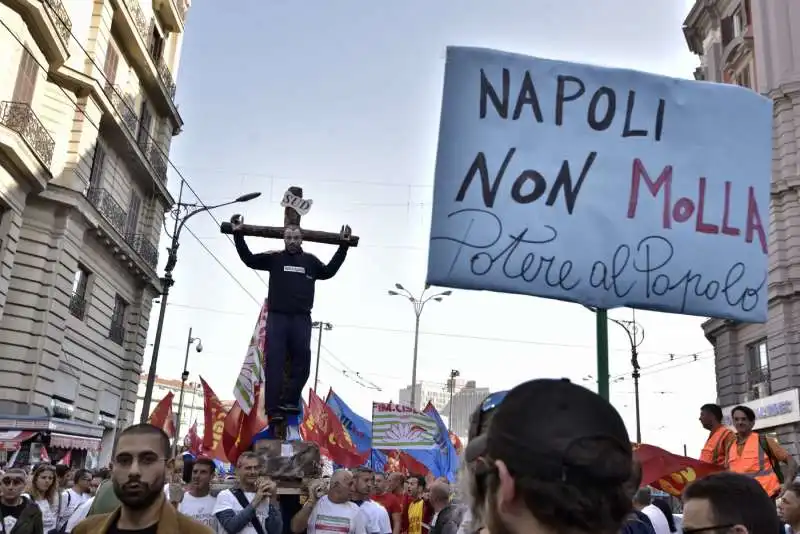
(571, 470)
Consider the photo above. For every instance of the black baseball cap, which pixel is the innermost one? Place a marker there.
(546, 421)
(479, 424)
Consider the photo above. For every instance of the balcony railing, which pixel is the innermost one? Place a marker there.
(77, 306)
(166, 78)
(143, 25)
(125, 106)
(155, 157)
(144, 247)
(60, 19)
(19, 116)
(116, 332)
(108, 208)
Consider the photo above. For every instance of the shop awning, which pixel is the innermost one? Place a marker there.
(10, 440)
(65, 441)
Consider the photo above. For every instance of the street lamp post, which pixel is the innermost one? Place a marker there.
(321, 326)
(635, 337)
(451, 385)
(184, 377)
(167, 282)
(419, 305)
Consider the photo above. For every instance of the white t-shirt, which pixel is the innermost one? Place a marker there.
(331, 518)
(71, 501)
(78, 515)
(377, 518)
(657, 518)
(49, 512)
(200, 509)
(227, 501)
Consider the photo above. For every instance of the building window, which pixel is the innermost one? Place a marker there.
(758, 368)
(98, 164)
(26, 78)
(132, 222)
(111, 64)
(116, 332)
(77, 302)
(742, 78)
(156, 44)
(145, 121)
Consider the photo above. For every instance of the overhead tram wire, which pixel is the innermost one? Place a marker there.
(73, 102)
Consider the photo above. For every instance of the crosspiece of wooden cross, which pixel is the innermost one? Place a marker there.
(291, 217)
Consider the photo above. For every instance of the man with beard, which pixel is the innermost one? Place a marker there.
(558, 459)
(720, 437)
(18, 514)
(292, 275)
(138, 476)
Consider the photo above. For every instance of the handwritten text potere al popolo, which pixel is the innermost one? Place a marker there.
(608, 112)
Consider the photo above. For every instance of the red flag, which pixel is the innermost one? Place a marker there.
(192, 441)
(43, 456)
(67, 459)
(214, 414)
(239, 428)
(456, 441)
(323, 427)
(162, 416)
(669, 472)
(402, 462)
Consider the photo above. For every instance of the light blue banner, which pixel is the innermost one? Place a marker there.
(601, 186)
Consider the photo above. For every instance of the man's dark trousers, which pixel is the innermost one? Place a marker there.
(288, 336)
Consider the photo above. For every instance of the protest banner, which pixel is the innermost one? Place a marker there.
(601, 186)
(395, 426)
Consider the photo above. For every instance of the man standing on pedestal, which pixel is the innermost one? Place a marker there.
(292, 275)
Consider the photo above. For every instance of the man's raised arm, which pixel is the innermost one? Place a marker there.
(262, 261)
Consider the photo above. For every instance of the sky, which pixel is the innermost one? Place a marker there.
(343, 98)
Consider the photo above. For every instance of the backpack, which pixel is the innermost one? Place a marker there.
(776, 465)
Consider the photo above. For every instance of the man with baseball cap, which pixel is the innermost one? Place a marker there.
(556, 457)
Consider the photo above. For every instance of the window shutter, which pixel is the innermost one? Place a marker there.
(26, 78)
(133, 214)
(144, 126)
(111, 64)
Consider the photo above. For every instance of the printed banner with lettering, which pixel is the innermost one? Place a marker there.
(395, 426)
(669, 472)
(252, 372)
(605, 187)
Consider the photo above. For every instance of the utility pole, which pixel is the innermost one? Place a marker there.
(451, 386)
(320, 325)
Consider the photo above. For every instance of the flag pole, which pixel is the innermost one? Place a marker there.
(601, 316)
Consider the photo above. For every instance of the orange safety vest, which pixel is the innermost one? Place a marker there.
(754, 463)
(714, 451)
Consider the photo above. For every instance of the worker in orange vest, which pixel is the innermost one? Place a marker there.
(720, 438)
(759, 456)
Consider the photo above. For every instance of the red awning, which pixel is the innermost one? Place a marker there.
(65, 441)
(10, 440)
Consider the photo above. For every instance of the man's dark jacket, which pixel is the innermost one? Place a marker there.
(448, 520)
(29, 521)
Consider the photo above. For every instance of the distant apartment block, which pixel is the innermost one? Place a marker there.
(87, 116)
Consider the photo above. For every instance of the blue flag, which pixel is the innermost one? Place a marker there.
(360, 430)
(447, 459)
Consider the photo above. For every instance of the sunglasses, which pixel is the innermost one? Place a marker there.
(12, 481)
(478, 424)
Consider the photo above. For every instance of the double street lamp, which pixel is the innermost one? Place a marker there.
(167, 282)
(419, 304)
(184, 377)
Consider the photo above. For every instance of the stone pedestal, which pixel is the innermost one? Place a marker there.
(289, 463)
